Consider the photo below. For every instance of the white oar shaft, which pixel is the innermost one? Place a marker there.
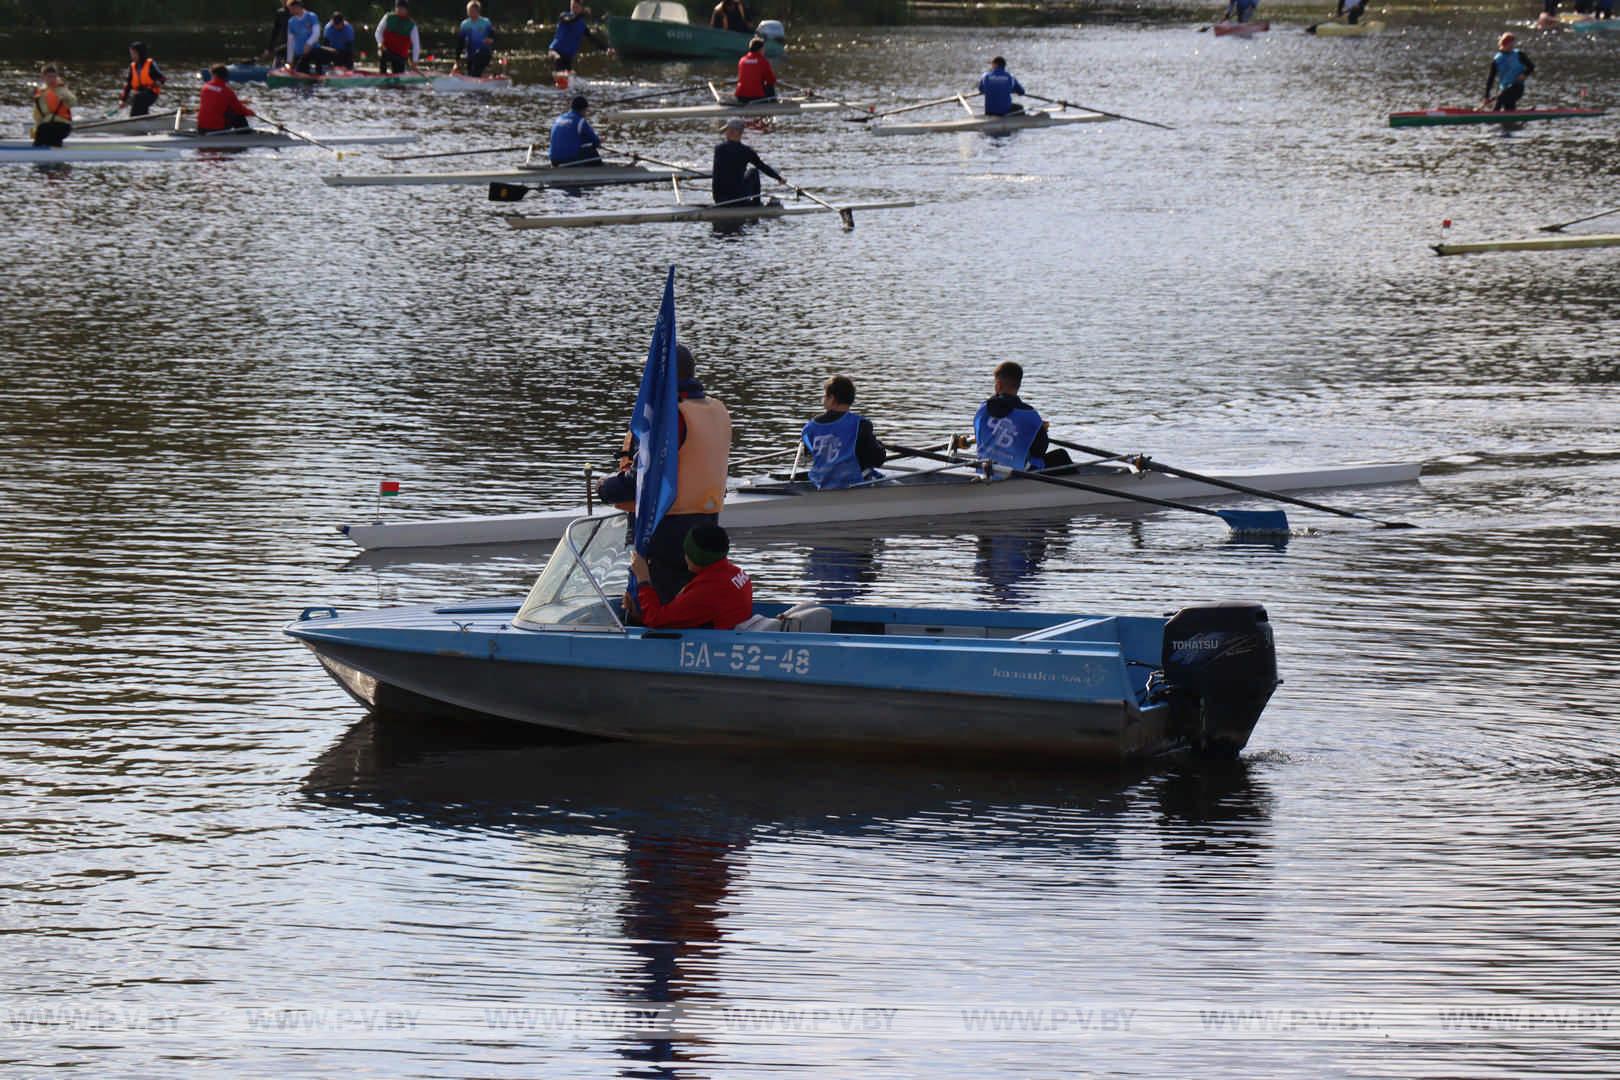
(1590, 217)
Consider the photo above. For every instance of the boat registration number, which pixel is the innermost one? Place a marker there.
(750, 659)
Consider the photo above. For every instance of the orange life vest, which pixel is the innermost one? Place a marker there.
(705, 457)
(140, 77)
(55, 107)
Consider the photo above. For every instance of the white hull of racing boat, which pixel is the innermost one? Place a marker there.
(466, 84)
(780, 107)
(28, 154)
(221, 140)
(932, 495)
(717, 214)
(991, 125)
(535, 175)
(173, 120)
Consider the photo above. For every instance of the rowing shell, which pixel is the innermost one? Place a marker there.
(779, 107)
(534, 175)
(26, 153)
(1536, 243)
(336, 80)
(718, 214)
(1432, 117)
(1361, 29)
(466, 84)
(914, 493)
(1222, 29)
(992, 125)
(223, 140)
(134, 125)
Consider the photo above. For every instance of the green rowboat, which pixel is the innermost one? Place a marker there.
(659, 29)
(1433, 117)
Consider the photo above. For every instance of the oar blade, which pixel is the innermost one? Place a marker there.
(847, 216)
(1256, 522)
(499, 192)
(1396, 525)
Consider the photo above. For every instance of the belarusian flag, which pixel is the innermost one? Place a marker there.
(386, 488)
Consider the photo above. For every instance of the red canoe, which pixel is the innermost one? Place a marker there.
(1224, 28)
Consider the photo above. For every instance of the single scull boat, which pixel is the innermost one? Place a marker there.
(1435, 117)
(28, 154)
(1338, 29)
(992, 125)
(1534, 243)
(248, 139)
(341, 79)
(1242, 29)
(770, 107)
(906, 492)
(466, 84)
(573, 176)
(720, 215)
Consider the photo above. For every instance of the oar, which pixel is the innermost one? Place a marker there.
(1142, 462)
(285, 130)
(459, 153)
(809, 93)
(845, 214)
(635, 157)
(1590, 217)
(906, 109)
(1248, 522)
(1103, 112)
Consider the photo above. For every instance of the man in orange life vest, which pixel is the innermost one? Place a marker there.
(144, 82)
(756, 80)
(718, 596)
(700, 486)
(53, 108)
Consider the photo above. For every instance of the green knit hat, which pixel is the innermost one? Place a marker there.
(706, 544)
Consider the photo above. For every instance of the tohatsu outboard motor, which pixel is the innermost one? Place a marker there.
(771, 30)
(1220, 669)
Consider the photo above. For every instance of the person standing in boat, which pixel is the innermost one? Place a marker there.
(700, 486)
(1509, 68)
(219, 109)
(573, 140)
(756, 79)
(1352, 10)
(275, 49)
(730, 15)
(1009, 432)
(998, 87)
(338, 40)
(736, 169)
(304, 51)
(844, 449)
(475, 39)
(399, 42)
(573, 30)
(53, 108)
(144, 82)
(717, 596)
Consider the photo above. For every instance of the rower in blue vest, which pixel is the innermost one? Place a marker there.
(1509, 68)
(1010, 433)
(573, 140)
(844, 450)
(998, 86)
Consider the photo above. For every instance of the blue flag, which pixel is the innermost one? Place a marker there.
(656, 425)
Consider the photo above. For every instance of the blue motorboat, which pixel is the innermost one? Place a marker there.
(239, 73)
(1101, 687)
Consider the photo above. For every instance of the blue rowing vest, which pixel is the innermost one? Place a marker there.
(570, 135)
(833, 463)
(1006, 440)
(1509, 68)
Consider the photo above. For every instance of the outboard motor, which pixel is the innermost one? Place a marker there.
(771, 30)
(1220, 669)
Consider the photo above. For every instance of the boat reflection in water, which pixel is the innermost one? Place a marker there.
(650, 846)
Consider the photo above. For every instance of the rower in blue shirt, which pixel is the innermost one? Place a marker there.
(844, 450)
(1010, 433)
(573, 140)
(476, 39)
(338, 36)
(572, 32)
(998, 86)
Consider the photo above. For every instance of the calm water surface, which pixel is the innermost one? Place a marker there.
(211, 859)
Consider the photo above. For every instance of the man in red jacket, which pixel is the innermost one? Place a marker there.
(220, 109)
(718, 597)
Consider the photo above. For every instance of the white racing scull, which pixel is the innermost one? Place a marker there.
(534, 175)
(991, 125)
(719, 215)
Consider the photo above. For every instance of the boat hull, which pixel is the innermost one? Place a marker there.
(1439, 117)
(653, 39)
(534, 176)
(1360, 29)
(282, 78)
(1225, 29)
(239, 73)
(718, 110)
(991, 125)
(719, 215)
(466, 84)
(1534, 243)
(27, 154)
(887, 679)
(172, 120)
(224, 140)
(745, 509)
(1596, 26)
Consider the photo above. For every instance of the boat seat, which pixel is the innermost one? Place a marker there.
(758, 624)
(807, 619)
(1062, 629)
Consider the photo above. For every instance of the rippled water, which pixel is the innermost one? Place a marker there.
(213, 859)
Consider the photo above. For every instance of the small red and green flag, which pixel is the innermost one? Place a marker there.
(385, 488)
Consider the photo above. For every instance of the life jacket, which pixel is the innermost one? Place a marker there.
(1006, 440)
(396, 37)
(140, 77)
(54, 110)
(754, 76)
(833, 462)
(705, 457)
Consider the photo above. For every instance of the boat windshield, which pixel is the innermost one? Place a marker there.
(590, 564)
(660, 11)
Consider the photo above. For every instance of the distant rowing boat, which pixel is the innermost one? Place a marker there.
(1243, 29)
(239, 73)
(1596, 26)
(1435, 117)
(27, 154)
(991, 125)
(466, 84)
(576, 176)
(1535, 243)
(719, 215)
(282, 78)
(223, 140)
(1337, 29)
(908, 493)
(770, 107)
(172, 120)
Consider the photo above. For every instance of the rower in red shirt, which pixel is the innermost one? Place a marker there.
(718, 597)
(219, 108)
(755, 78)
